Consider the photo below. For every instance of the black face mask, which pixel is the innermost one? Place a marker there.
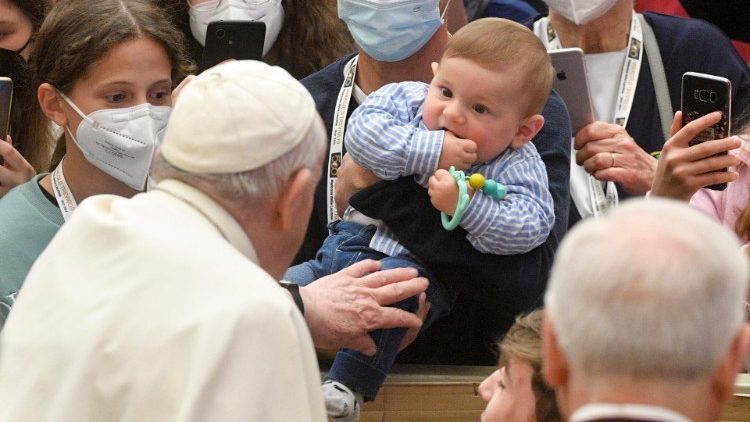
(15, 67)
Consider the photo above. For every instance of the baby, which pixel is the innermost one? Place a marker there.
(478, 114)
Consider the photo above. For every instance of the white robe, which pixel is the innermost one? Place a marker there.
(155, 309)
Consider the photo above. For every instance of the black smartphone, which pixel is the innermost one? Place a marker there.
(240, 40)
(703, 94)
(6, 101)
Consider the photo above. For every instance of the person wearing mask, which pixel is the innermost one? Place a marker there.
(28, 148)
(386, 54)
(633, 97)
(302, 36)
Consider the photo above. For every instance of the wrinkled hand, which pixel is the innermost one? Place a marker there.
(351, 178)
(607, 152)
(15, 170)
(443, 191)
(458, 152)
(342, 308)
(683, 169)
(489, 385)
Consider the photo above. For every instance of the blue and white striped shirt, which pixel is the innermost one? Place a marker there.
(386, 135)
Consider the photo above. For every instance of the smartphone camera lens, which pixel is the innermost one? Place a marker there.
(220, 33)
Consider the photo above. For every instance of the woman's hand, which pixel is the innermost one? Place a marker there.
(684, 169)
(607, 152)
(15, 170)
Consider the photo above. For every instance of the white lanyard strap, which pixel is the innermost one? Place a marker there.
(602, 200)
(65, 199)
(337, 136)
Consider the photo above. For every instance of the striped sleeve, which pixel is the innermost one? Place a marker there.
(385, 133)
(521, 221)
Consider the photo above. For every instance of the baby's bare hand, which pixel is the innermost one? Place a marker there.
(443, 191)
(458, 152)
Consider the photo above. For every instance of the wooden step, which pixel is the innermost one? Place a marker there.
(416, 393)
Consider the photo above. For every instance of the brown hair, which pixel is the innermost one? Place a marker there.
(524, 342)
(495, 42)
(29, 127)
(77, 33)
(311, 37)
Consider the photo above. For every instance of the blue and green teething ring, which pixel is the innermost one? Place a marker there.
(489, 187)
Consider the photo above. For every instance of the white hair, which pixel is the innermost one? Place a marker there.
(653, 289)
(257, 185)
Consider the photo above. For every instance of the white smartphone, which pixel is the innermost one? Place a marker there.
(573, 85)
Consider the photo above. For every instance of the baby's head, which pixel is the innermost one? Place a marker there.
(490, 86)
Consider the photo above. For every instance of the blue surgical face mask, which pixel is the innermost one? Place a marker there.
(390, 30)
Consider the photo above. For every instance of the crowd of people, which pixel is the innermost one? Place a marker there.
(391, 181)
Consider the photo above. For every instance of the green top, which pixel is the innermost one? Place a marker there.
(28, 221)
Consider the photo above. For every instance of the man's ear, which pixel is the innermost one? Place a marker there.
(51, 104)
(434, 67)
(555, 366)
(292, 200)
(527, 129)
(723, 378)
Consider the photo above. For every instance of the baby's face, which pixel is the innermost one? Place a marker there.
(476, 103)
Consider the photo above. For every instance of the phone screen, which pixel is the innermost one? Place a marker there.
(703, 94)
(6, 100)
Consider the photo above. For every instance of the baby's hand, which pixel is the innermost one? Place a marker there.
(443, 191)
(458, 152)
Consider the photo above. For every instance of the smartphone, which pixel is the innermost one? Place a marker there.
(572, 84)
(6, 101)
(703, 94)
(240, 40)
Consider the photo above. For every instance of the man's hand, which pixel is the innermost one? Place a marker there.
(607, 152)
(443, 191)
(342, 308)
(351, 179)
(457, 152)
(684, 169)
(15, 170)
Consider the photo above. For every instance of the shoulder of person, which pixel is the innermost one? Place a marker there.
(327, 82)
(681, 29)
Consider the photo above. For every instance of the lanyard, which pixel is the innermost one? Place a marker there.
(65, 199)
(337, 137)
(601, 200)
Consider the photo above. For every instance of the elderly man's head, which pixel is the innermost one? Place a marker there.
(248, 135)
(653, 291)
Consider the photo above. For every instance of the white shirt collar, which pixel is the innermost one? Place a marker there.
(593, 411)
(213, 212)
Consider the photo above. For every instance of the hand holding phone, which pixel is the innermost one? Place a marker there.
(703, 94)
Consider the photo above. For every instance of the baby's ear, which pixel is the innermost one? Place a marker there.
(434, 67)
(527, 130)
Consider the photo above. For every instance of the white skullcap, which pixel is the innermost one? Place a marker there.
(238, 116)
